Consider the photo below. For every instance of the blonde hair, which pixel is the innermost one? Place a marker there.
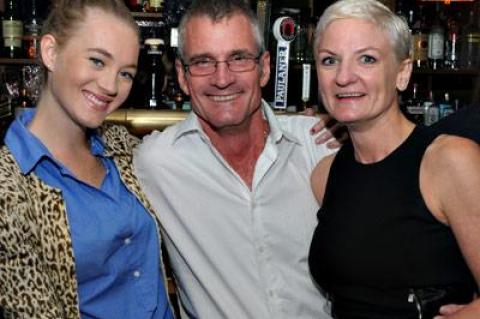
(67, 14)
(375, 12)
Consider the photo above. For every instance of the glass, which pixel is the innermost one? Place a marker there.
(236, 63)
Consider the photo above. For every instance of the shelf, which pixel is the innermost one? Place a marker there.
(147, 15)
(18, 61)
(473, 72)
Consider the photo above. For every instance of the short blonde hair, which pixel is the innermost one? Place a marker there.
(375, 12)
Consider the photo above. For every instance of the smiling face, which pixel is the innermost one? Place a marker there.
(91, 74)
(358, 72)
(224, 98)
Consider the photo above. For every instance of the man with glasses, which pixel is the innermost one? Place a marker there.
(230, 184)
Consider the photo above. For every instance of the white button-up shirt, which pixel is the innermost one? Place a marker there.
(236, 252)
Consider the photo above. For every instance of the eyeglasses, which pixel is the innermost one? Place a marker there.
(236, 63)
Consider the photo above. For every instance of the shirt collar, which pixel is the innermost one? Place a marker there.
(28, 150)
(192, 124)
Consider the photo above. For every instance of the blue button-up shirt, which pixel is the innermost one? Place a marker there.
(114, 238)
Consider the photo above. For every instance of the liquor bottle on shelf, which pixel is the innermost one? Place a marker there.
(436, 42)
(420, 42)
(33, 26)
(154, 98)
(300, 43)
(451, 43)
(402, 9)
(445, 107)
(456, 105)
(432, 113)
(22, 100)
(155, 6)
(263, 10)
(312, 24)
(410, 19)
(470, 43)
(12, 30)
(413, 106)
(135, 5)
(175, 96)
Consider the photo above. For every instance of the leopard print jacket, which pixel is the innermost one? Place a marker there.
(37, 267)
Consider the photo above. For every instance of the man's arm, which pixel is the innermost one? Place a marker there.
(465, 122)
(449, 181)
(460, 311)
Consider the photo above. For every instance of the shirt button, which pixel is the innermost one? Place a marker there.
(127, 241)
(136, 274)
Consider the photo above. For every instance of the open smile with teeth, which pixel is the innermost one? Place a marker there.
(95, 101)
(349, 95)
(224, 98)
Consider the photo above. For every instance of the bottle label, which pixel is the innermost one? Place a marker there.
(12, 28)
(473, 37)
(156, 3)
(435, 46)
(12, 42)
(32, 29)
(432, 114)
(418, 110)
(420, 47)
(306, 75)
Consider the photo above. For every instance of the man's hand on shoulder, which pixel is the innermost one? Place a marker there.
(335, 134)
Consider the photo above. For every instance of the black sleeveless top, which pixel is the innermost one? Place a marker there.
(376, 238)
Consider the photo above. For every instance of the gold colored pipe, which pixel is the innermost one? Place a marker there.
(141, 122)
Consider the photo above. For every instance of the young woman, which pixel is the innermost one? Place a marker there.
(77, 237)
(399, 228)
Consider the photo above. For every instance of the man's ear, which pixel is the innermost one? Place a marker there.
(264, 68)
(182, 76)
(48, 51)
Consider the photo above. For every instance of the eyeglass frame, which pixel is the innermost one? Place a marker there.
(256, 60)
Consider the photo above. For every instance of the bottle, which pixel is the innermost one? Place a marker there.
(12, 30)
(470, 43)
(436, 42)
(445, 107)
(154, 98)
(32, 31)
(420, 42)
(135, 5)
(300, 43)
(413, 106)
(155, 6)
(431, 110)
(312, 24)
(456, 105)
(22, 100)
(402, 9)
(175, 94)
(451, 44)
